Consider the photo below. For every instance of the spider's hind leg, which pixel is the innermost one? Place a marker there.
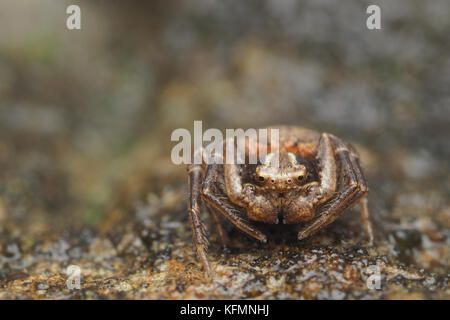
(365, 216)
(195, 173)
(364, 189)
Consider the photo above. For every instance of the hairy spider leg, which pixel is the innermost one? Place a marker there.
(195, 173)
(355, 188)
(218, 226)
(327, 177)
(218, 199)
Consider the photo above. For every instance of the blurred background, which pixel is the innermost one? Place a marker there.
(86, 115)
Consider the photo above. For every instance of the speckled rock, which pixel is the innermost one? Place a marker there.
(86, 178)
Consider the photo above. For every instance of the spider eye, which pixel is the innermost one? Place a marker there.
(261, 178)
(300, 178)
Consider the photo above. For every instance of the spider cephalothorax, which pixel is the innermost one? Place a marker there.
(282, 175)
(312, 180)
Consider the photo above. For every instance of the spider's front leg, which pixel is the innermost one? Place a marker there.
(355, 188)
(302, 208)
(227, 196)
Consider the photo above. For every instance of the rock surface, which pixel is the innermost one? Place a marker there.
(86, 178)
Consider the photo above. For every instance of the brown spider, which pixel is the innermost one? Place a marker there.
(318, 178)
